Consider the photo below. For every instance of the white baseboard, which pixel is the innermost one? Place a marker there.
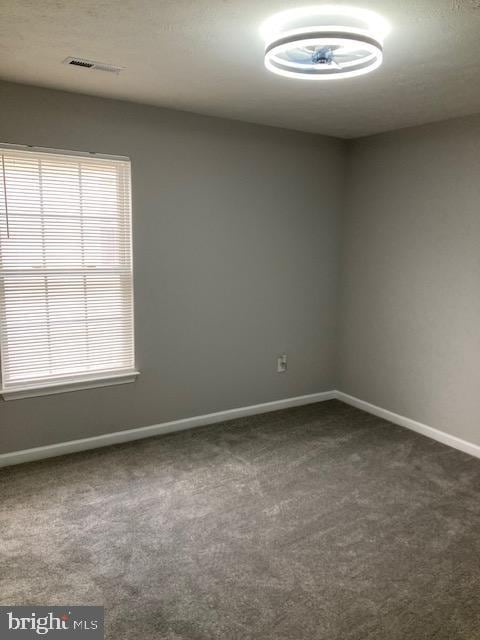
(430, 432)
(62, 448)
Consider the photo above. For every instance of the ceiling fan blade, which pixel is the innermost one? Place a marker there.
(353, 54)
(296, 55)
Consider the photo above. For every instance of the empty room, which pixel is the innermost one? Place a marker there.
(240, 320)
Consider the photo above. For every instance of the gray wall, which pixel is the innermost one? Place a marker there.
(409, 335)
(235, 244)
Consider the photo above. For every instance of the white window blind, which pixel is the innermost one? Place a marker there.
(66, 282)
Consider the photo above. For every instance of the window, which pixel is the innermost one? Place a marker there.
(66, 281)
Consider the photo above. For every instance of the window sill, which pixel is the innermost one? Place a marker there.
(32, 391)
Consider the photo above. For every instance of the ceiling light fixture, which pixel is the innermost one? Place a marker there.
(324, 42)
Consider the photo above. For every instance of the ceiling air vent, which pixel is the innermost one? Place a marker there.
(92, 64)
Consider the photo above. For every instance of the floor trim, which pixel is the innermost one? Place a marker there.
(62, 448)
(425, 430)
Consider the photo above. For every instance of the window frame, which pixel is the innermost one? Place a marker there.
(88, 380)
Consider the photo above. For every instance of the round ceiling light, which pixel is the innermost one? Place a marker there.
(324, 43)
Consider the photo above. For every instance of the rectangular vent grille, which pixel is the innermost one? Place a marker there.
(81, 63)
(92, 64)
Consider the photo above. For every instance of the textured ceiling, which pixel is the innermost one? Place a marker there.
(206, 56)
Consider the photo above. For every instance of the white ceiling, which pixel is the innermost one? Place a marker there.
(206, 56)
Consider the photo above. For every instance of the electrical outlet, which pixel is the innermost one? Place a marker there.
(282, 363)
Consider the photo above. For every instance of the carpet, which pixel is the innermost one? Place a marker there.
(313, 523)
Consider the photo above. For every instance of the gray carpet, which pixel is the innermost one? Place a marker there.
(314, 523)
